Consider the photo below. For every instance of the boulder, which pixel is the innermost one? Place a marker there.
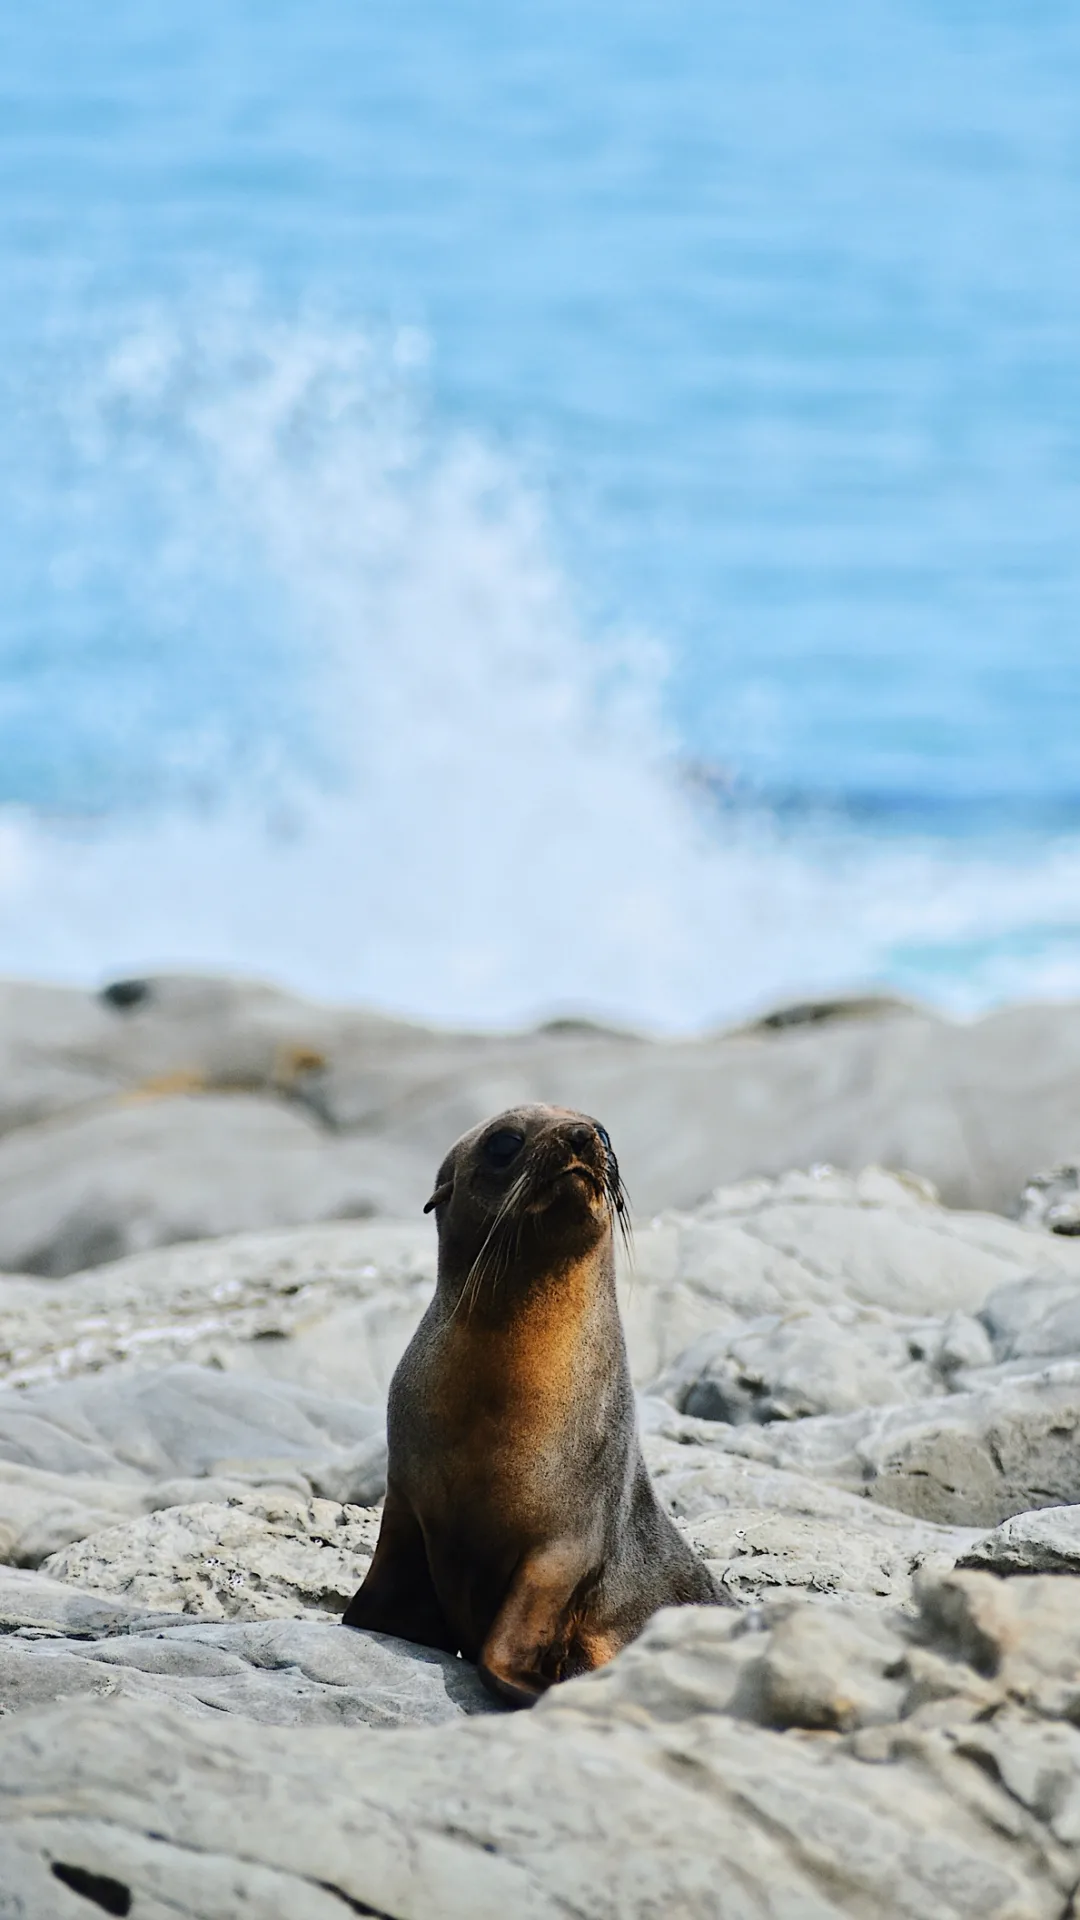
(1046, 1541)
(1052, 1200)
(787, 1368)
(252, 1557)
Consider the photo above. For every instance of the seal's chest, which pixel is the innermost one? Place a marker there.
(498, 1426)
(513, 1385)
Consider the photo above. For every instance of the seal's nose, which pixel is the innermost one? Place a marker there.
(582, 1136)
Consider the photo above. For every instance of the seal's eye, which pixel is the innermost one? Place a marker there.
(602, 1132)
(504, 1146)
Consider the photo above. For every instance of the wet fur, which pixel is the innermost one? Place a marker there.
(520, 1527)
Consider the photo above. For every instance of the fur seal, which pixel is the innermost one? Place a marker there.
(521, 1528)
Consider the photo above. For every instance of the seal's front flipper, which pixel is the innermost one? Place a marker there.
(397, 1595)
(536, 1637)
(512, 1693)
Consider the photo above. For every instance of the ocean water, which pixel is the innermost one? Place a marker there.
(513, 509)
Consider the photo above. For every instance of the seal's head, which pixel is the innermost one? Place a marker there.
(531, 1188)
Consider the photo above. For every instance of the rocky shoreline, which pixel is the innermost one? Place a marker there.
(861, 1404)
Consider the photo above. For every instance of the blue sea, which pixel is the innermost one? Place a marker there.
(508, 509)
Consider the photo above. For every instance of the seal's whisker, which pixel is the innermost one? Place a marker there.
(486, 1260)
(499, 1264)
(618, 1206)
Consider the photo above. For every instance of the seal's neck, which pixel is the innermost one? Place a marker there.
(530, 1284)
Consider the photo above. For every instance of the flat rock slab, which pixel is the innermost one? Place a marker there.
(255, 1557)
(177, 1420)
(331, 1307)
(286, 1673)
(88, 1187)
(76, 1456)
(34, 1604)
(755, 1555)
(58, 1641)
(826, 1766)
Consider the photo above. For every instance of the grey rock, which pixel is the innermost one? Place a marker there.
(331, 1307)
(1034, 1318)
(41, 1511)
(47, 1052)
(825, 1241)
(767, 1531)
(61, 1048)
(974, 1642)
(281, 1672)
(186, 1433)
(58, 1640)
(1052, 1200)
(971, 1107)
(966, 1459)
(1046, 1541)
(179, 1420)
(34, 1605)
(100, 1864)
(966, 1106)
(985, 1456)
(254, 1557)
(805, 1363)
(82, 1454)
(1022, 1634)
(712, 1769)
(755, 1554)
(82, 1189)
(824, 1674)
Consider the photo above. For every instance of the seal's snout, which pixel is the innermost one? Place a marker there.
(576, 1150)
(576, 1175)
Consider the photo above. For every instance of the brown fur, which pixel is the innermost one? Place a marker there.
(520, 1526)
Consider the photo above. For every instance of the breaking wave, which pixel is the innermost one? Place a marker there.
(340, 718)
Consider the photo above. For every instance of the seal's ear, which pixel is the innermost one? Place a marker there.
(440, 1194)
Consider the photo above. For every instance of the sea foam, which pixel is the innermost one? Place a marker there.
(397, 762)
